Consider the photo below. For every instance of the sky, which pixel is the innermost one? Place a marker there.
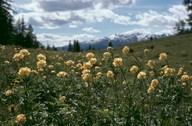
(56, 22)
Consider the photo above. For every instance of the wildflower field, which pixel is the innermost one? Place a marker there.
(110, 87)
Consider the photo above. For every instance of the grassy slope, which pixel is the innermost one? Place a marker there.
(178, 48)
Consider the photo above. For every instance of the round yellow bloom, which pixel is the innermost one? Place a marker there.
(8, 93)
(169, 71)
(86, 76)
(150, 90)
(110, 74)
(18, 56)
(154, 83)
(117, 62)
(110, 49)
(185, 77)
(106, 55)
(24, 52)
(50, 66)
(24, 71)
(7, 62)
(152, 73)
(151, 64)
(162, 56)
(125, 50)
(62, 98)
(41, 57)
(41, 63)
(79, 65)
(146, 51)
(93, 60)
(141, 75)
(89, 55)
(134, 69)
(70, 62)
(61, 74)
(20, 118)
(87, 65)
(99, 74)
(180, 71)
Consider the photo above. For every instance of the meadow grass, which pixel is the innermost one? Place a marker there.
(150, 85)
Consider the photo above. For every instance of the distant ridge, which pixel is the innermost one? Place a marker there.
(117, 40)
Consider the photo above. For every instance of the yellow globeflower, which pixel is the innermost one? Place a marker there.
(61, 74)
(146, 51)
(86, 76)
(41, 57)
(110, 74)
(125, 50)
(117, 62)
(8, 93)
(24, 71)
(185, 77)
(93, 60)
(41, 63)
(6, 62)
(89, 55)
(151, 64)
(106, 55)
(180, 71)
(18, 56)
(162, 56)
(62, 98)
(110, 49)
(87, 65)
(141, 75)
(150, 90)
(154, 83)
(70, 62)
(24, 52)
(20, 118)
(134, 69)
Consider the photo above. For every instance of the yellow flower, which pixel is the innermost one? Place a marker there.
(150, 89)
(20, 118)
(106, 55)
(106, 110)
(134, 69)
(117, 62)
(146, 51)
(41, 57)
(34, 72)
(86, 76)
(163, 56)
(24, 71)
(141, 75)
(110, 49)
(24, 52)
(93, 60)
(87, 65)
(11, 108)
(8, 93)
(151, 64)
(62, 98)
(7, 62)
(50, 66)
(180, 71)
(152, 73)
(168, 71)
(70, 62)
(110, 74)
(61, 74)
(41, 63)
(89, 55)
(125, 50)
(98, 75)
(18, 56)
(185, 77)
(154, 83)
(79, 65)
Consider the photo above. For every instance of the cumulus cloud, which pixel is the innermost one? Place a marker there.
(179, 11)
(90, 29)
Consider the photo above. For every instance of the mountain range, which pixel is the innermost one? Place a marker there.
(117, 40)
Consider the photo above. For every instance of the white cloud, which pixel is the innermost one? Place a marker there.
(90, 29)
(179, 11)
(72, 26)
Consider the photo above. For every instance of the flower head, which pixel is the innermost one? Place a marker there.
(8, 93)
(106, 55)
(61, 74)
(134, 69)
(41, 57)
(163, 56)
(141, 75)
(20, 118)
(41, 63)
(110, 74)
(24, 71)
(117, 62)
(24, 52)
(125, 50)
(89, 55)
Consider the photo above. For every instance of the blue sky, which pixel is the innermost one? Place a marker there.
(55, 22)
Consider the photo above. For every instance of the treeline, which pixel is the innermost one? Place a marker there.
(15, 34)
(185, 26)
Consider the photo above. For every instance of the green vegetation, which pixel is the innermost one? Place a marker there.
(132, 86)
